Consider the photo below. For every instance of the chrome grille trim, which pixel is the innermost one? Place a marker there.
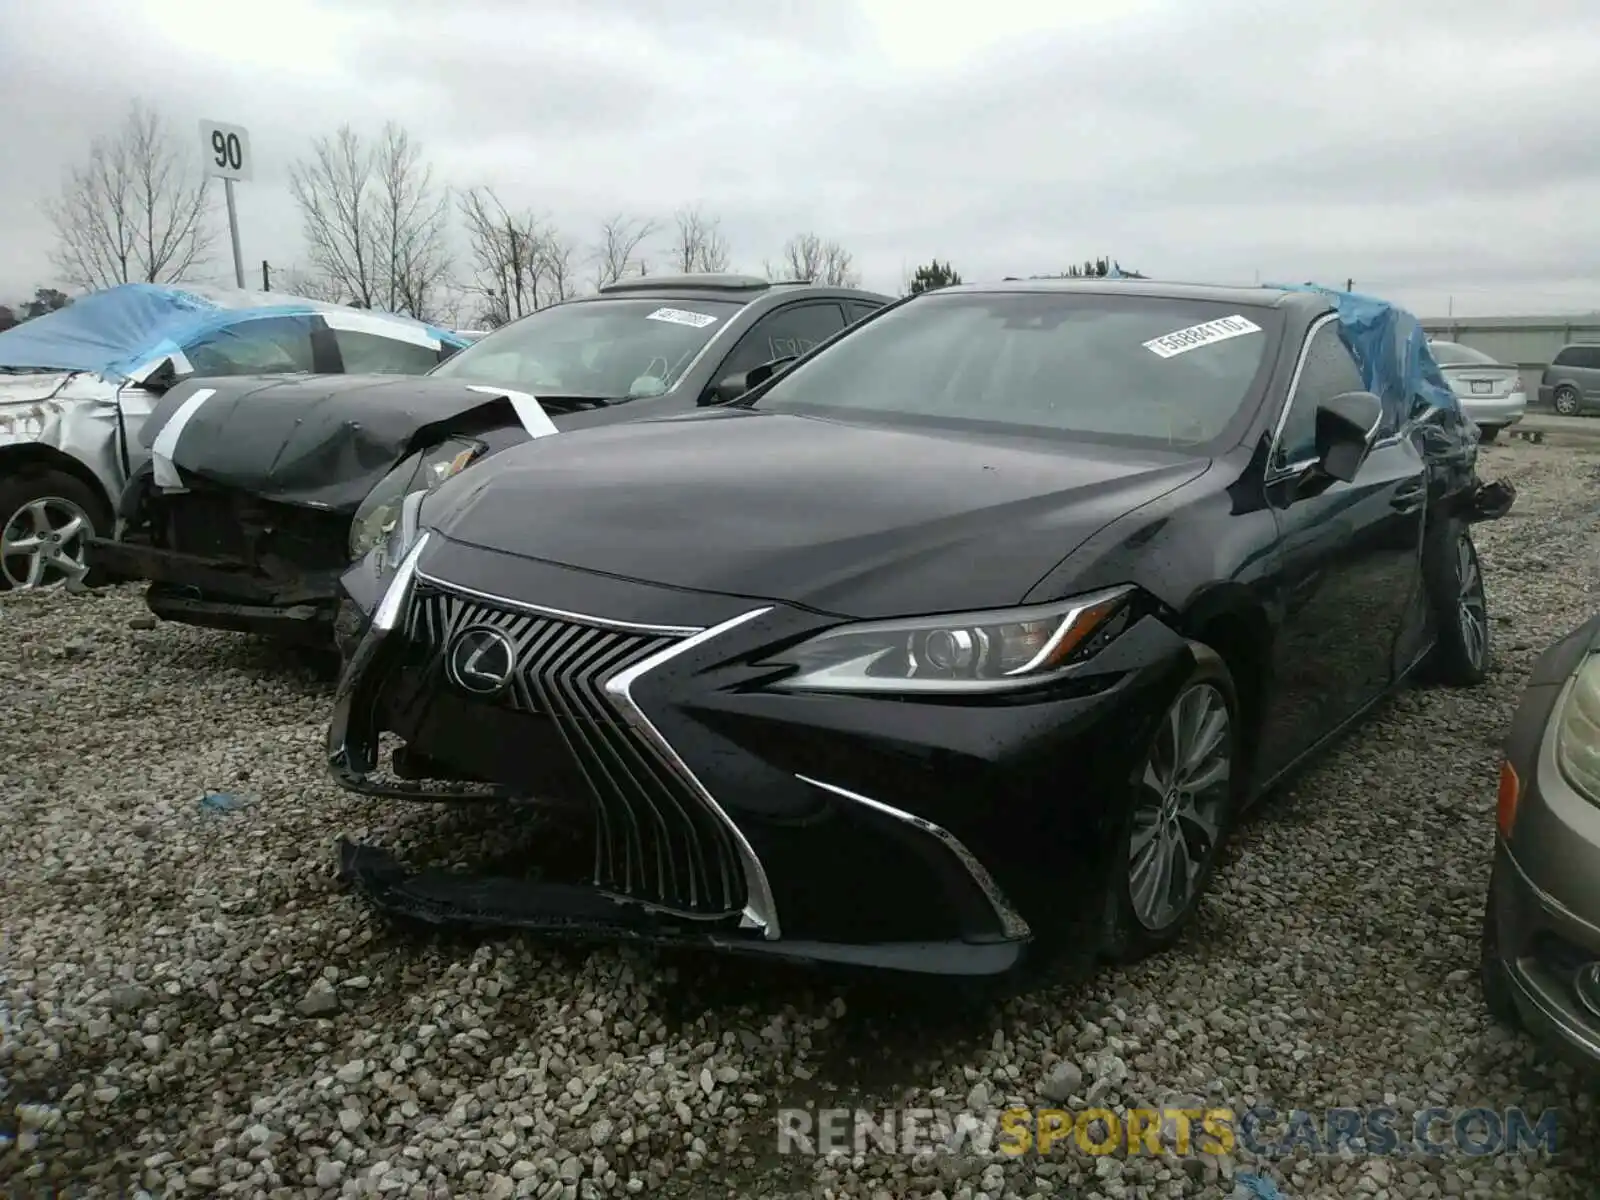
(662, 840)
(1011, 921)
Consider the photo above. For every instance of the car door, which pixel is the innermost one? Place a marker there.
(1348, 562)
(788, 329)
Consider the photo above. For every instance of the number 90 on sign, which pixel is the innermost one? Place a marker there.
(225, 150)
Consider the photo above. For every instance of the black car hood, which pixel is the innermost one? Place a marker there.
(855, 520)
(322, 441)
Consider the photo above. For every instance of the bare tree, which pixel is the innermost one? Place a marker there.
(374, 221)
(137, 211)
(506, 256)
(698, 245)
(560, 267)
(617, 253)
(310, 285)
(808, 256)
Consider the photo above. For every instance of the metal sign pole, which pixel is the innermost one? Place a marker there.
(233, 232)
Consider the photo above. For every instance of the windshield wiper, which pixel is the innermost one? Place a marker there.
(573, 403)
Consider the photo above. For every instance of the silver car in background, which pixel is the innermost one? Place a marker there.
(1491, 393)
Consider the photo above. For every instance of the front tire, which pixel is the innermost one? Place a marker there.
(1567, 401)
(1176, 814)
(46, 517)
(1453, 576)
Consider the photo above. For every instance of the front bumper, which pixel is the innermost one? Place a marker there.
(216, 594)
(1545, 886)
(939, 837)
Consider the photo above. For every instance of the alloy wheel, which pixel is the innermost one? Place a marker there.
(1181, 804)
(1472, 611)
(42, 544)
(1566, 401)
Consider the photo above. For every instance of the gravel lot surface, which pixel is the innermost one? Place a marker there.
(192, 1006)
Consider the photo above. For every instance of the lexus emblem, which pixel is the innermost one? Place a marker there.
(481, 661)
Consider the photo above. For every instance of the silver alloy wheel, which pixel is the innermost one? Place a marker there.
(42, 544)
(1566, 401)
(1182, 802)
(1472, 610)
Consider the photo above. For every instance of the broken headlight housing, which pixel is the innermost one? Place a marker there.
(423, 471)
(996, 651)
(1578, 730)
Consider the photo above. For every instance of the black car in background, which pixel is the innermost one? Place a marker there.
(976, 627)
(261, 491)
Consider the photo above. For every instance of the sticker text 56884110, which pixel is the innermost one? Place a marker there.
(1181, 340)
(679, 316)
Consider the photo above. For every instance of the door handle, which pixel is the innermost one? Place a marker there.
(1409, 498)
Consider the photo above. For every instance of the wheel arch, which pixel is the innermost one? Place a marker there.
(32, 457)
(1233, 622)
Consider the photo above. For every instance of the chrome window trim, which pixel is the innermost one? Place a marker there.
(559, 613)
(759, 911)
(1011, 921)
(1274, 474)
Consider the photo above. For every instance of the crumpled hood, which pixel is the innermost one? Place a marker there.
(321, 441)
(855, 520)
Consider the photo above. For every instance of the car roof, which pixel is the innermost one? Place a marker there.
(743, 288)
(1251, 297)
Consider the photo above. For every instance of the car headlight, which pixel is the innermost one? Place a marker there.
(1578, 731)
(423, 471)
(996, 651)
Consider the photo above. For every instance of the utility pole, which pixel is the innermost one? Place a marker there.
(266, 276)
(1349, 285)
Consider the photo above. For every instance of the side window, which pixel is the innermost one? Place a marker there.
(859, 309)
(1328, 371)
(369, 354)
(1567, 356)
(264, 346)
(1588, 357)
(790, 330)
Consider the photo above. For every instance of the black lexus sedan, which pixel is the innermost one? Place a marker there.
(976, 628)
(259, 491)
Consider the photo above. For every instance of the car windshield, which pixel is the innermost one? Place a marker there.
(1453, 354)
(1115, 368)
(607, 349)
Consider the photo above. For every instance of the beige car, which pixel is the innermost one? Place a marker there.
(1541, 929)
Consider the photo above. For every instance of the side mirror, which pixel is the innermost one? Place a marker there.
(1345, 426)
(730, 387)
(161, 380)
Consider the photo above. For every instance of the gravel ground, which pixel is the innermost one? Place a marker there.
(192, 1007)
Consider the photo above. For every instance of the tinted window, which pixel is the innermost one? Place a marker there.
(859, 309)
(1114, 367)
(1328, 371)
(265, 346)
(791, 330)
(368, 354)
(605, 348)
(1452, 354)
(1578, 356)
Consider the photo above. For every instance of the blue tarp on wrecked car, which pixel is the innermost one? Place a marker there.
(1391, 349)
(113, 332)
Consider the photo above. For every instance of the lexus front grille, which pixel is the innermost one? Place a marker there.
(656, 841)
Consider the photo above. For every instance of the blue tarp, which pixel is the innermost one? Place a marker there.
(113, 332)
(1390, 347)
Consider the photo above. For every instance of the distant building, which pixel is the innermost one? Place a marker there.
(1527, 342)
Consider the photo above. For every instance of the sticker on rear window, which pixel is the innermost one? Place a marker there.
(679, 316)
(1195, 336)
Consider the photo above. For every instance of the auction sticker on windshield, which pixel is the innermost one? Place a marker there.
(680, 316)
(1195, 336)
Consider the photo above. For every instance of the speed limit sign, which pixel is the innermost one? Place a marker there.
(225, 150)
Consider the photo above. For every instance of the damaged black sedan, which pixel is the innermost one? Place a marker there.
(260, 491)
(975, 630)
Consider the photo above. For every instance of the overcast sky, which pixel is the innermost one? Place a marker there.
(1437, 153)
